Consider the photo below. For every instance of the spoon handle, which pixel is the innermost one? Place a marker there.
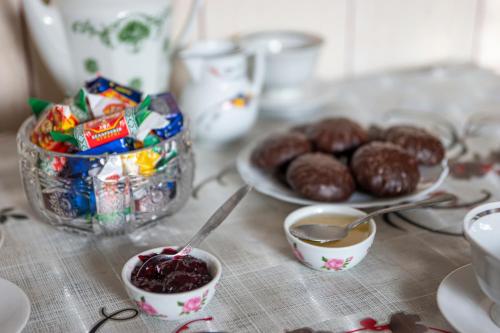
(216, 219)
(423, 203)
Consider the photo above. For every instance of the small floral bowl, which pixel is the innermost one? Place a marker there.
(177, 305)
(327, 259)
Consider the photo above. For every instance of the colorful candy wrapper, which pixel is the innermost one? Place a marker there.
(154, 194)
(52, 165)
(117, 147)
(57, 117)
(152, 121)
(106, 97)
(174, 126)
(113, 197)
(82, 167)
(110, 128)
(165, 104)
(101, 131)
(69, 198)
(168, 157)
(142, 162)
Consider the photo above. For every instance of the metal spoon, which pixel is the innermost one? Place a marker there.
(323, 233)
(213, 222)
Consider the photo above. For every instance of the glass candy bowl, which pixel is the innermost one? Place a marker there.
(71, 191)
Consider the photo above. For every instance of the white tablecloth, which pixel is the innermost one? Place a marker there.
(69, 278)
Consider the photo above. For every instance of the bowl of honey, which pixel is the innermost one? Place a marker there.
(333, 256)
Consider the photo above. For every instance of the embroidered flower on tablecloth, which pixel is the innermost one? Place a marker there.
(335, 264)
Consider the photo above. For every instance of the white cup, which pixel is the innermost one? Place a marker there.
(482, 230)
(290, 59)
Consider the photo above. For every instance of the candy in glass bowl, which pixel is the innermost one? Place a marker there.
(106, 161)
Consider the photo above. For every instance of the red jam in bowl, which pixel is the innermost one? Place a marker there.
(172, 275)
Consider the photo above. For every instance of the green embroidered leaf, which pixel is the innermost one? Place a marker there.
(324, 259)
(180, 303)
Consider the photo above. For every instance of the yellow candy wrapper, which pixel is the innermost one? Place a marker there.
(143, 162)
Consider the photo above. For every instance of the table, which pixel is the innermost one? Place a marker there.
(69, 278)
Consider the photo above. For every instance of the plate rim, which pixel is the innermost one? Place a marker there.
(242, 161)
(24, 297)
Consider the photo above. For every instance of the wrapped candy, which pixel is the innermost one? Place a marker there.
(52, 165)
(117, 146)
(113, 197)
(142, 162)
(69, 198)
(57, 117)
(106, 97)
(165, 104)
(131, 122)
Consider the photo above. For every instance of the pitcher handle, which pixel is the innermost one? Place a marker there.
(47, 29)
(258, 71)
(187, 28)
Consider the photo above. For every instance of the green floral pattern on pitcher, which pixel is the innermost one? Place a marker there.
(135, 83)
(130, 32)
(91, 65)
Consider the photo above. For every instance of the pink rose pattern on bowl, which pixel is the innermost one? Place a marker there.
(193, 304)
(147, 308)
(336, 264)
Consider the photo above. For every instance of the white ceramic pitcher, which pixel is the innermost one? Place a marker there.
(220, 97)
(128, 41)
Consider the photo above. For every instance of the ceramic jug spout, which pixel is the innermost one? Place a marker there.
(46, 27)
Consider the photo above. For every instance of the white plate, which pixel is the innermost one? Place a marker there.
(14, 307)
(304, 102)
(431, 178)
(463, 304)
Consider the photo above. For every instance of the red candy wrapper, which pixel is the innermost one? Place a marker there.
(57, 117)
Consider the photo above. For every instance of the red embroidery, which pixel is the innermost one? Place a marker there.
(371, 324)
(185, 327)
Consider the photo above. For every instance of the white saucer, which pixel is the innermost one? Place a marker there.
(14, 307)
(287, 105)
(463, 304)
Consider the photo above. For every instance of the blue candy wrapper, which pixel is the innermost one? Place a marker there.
(118, 146)
(71, 200)
(175, 123)
(111, 89)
